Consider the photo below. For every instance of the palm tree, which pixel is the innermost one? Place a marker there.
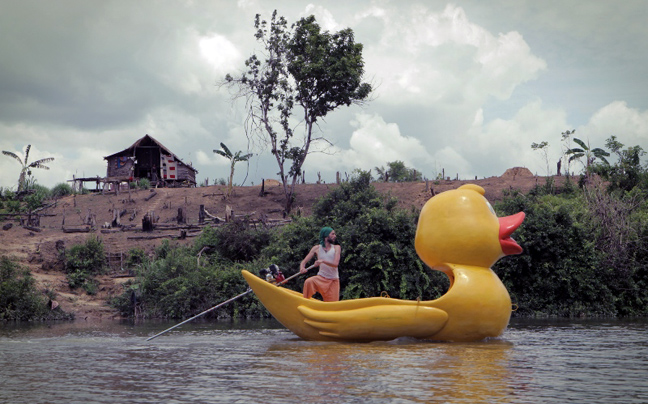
(26, 168)
(233, 158)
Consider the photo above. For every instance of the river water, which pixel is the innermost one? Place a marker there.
(261, 362)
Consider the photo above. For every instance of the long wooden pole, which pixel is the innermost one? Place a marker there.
(222, 304)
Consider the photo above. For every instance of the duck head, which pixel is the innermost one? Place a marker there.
(461, 227)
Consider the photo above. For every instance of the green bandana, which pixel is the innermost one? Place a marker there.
(324, 234)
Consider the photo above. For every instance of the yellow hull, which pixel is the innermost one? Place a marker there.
(460, 315)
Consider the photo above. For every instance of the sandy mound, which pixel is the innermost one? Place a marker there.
(517, 172)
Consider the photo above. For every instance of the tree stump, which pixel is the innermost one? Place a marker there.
(147, 223)
(201, 214)
(181, 218)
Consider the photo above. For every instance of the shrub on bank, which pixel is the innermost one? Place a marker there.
(19, 298)
(83, 262)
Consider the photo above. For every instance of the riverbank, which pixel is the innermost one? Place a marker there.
(64, 224)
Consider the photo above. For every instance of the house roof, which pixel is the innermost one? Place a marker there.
(146, 139)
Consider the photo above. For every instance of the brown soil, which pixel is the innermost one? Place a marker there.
(39, 251)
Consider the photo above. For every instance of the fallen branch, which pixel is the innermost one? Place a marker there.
(76, 230)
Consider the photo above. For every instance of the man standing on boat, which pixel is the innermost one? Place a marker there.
(327, 280)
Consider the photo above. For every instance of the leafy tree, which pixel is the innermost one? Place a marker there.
(628, 171)
(27, 167)
(20, 298)
(397, 171)
(233, 158)
(303, 66)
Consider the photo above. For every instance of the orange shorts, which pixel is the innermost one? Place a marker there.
(328, 288)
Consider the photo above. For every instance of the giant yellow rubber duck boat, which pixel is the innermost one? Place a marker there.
(458, 233)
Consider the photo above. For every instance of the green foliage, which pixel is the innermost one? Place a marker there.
(136, 257)
(143, 183)
(302, 67)
(60, 190)
(628, 172)
(233, 158)
(9, 202)
(83, 262)
(397, 172)
(556, 273)
(19, 298)
(176, 287)
(25, 172)
(565, 270)
(377, 243)
(36, 197)
(235, 241)
(585, 254)
(590, 154)
(542, 147)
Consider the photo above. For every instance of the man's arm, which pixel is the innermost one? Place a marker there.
(311, 253)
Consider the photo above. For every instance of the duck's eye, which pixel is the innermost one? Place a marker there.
(490, 207)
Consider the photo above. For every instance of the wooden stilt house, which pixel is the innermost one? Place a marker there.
(148, 158)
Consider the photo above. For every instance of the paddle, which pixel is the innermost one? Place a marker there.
(222, 304)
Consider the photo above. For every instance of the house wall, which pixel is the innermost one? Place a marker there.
(119, 166)
(149, 161)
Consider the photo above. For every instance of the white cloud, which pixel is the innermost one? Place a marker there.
(220, 53)
(323, 17)
(629, 125)
(452, 163)
(373, 143)
(425, 57)
(502, 144)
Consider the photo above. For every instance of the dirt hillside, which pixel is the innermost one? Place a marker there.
(40, 250)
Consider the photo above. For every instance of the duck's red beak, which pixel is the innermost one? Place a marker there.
(508, 224)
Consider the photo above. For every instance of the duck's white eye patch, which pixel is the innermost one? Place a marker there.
(490, 207)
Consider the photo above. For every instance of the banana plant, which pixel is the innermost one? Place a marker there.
(27, 167)
(576, 153)
(233, 158)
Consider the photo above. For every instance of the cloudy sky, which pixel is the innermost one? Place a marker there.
(465, 87)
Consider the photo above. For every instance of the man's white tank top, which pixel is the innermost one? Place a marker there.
(325, 270)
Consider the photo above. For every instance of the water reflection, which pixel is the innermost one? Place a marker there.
(404, 369)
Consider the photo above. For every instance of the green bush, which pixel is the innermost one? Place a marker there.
(377, 241)
(176, 287)
(19, 298)
(569, 266)
(144, 183)
(37, 198)
(83, 262)
(60, 190)
(136, 257)
(234, 241)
